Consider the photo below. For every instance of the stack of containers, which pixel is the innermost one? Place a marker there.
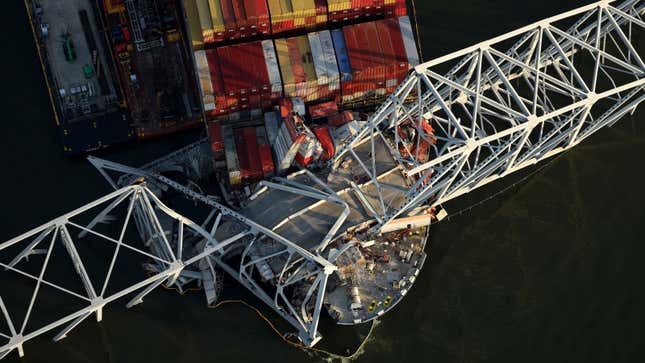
(246, 150)
(244, 77)
(308, 66)
(235, 19)
(374, 57)
(290, 15)
(351, 10)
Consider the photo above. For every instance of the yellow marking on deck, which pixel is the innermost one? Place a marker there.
(42, 62)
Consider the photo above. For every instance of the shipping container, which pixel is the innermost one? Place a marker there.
(359, 63)
(272, 126)
(216, 138)
(194, 25)
(380, 53)
(292, 15)
(242, 155)
(205, 82)
(325, 140)
(409, 42)
(308, 66)
(252, 151)
(205, 20)
(341, 55)
(344, 11)
(217, 19)
(323, 110)
(340, 119)
(232, 160)
(264, 149)
(248, 86)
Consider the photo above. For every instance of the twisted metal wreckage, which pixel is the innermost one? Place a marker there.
(456, 123)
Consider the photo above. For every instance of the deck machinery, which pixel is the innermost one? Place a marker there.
(347, 236)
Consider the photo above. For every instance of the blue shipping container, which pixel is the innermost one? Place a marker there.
(341, 55)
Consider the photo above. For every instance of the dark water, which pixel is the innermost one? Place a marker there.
(550, 271)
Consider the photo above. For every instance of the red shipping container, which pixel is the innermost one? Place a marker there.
(243, 52)
(262, 12)
(401, 8)
(242, 156)
(389, 57)
(229, 70)
(286, 106)
(252, 152)
(263, 83)
(215, 135)
(323, 136)
(251, 14)
(323, 109)
(265, 152)
(228, 14)
(215, 72)
(375, 54)
(340, 119)
(240, 13)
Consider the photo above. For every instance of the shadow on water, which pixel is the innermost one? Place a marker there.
(549, 271)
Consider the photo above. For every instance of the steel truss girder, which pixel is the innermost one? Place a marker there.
(303, 321)
(95, 296)
(504, 107)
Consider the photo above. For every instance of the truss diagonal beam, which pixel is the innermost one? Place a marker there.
(487, 126)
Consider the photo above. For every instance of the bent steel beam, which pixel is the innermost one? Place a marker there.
(507, 103)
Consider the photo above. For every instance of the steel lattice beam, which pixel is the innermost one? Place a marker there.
(507, 103)
(132, 199)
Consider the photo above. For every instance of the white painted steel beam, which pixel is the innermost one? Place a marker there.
(504, 107)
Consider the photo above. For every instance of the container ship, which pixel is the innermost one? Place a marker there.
(282, 89)
(120, 70)
(280, 86)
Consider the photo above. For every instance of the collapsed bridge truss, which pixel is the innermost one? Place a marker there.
(456, 123)
(505, 104)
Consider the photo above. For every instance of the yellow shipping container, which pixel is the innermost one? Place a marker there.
(287, 10)
(307, 59)
(216, 15)
(309, 7)
(205, 18)
(298, 13)
(282, 49)
(194, 26)
(276, 11)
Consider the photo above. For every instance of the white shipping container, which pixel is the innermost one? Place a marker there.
(205, 82)
(273, 69)
(327, 45)
(408, 41)
(318, 56)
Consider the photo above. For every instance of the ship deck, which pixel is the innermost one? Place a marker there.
(78, 95)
